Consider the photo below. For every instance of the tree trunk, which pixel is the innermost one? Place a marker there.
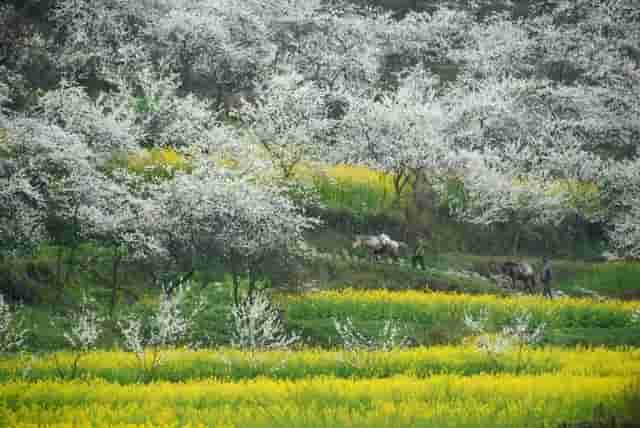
(59, 260)
(516, 242)
(236, 281)
(252, 283)
(71, 263)
(114, 282)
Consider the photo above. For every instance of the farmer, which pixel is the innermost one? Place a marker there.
(418, 255)
(546, 277)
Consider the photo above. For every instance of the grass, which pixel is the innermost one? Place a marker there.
(574, 277)
(431, 318)
(617, 278)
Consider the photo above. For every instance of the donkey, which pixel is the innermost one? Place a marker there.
(520, 271)
(371, 243)
(379, 245)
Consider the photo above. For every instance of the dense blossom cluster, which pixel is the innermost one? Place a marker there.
(12, 332)
(149, 336)
(257, 324)
(390, 337)
(519, 333)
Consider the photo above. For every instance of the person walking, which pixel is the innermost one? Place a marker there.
(546, 277)
(418, 255)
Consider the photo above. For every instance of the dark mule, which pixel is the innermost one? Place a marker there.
(520, 271)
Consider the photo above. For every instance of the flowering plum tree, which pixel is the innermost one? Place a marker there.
(213, 212)
(256, 324)
(490, 197)
(557, 102)
(36, 156)
(520, 333)
(288, 121)
(83, 334)
(527, 112)
(149, 337)
(12, 332)
(389, 338)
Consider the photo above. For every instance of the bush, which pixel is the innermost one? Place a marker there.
(257, 323)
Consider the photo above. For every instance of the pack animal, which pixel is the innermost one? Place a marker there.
(520, 271)
(379, 245)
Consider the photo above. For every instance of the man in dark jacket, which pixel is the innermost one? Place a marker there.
(418, 255)
(546, 277)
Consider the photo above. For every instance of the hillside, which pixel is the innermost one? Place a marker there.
(319, 213)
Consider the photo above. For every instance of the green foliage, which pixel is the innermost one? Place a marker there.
(616, 278)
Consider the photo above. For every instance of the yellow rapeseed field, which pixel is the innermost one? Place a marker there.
(439, 386)
(184, 364)
(442, 401)
(489, 300)
(421, 304)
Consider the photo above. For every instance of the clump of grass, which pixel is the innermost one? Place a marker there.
(613, 278)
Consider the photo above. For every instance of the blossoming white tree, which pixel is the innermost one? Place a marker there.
(389, 338)
(82, 335)
(289, 122)
(213, 212)
(169, 324)
(531, 108)
(257, 324)
(520, 333)
(12, 331)
(554, 102)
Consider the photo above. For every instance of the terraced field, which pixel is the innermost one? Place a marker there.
(438, 386)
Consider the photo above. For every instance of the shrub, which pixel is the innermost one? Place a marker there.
(12, 332)
(256, 323)
(168, 325)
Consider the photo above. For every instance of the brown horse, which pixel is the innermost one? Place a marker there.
(520, 271)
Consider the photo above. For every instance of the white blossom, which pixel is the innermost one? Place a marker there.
(168, 325)
(86, 327)
(520, 332)
(12, 331)
(390, 337)
(257, 323)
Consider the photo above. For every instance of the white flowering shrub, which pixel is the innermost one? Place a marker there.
(256, 323)
(625, 233)
(85, 328)
(519, 333)
(522, 330)
(388, 338)
(168, 325)
(12, 331)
